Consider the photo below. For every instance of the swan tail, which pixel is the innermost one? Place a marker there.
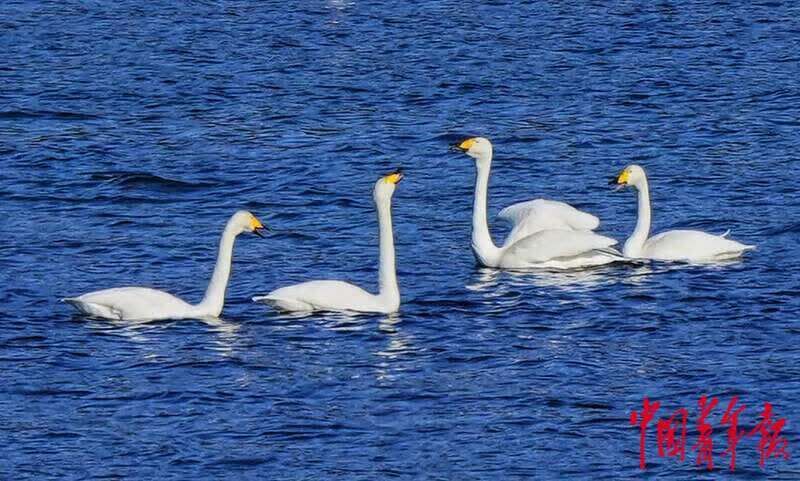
(93, 309)
(284, 304)
(744, 247)
(266, 299)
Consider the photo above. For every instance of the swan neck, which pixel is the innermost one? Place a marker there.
(214, 299)
(387, 276)
(482, 244)
(635, 243)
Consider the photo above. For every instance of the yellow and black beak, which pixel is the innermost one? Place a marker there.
(395, 177)
(257, 227)
(464, 145)
(620, 180)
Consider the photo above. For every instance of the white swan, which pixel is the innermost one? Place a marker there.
(674, 245)
(145, 304)
(545, 233)
(342, 296)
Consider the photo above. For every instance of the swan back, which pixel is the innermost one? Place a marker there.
(553, 244)
(131, 303)
(326, 295)
(692, 245)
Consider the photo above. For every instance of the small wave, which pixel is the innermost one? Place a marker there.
(62, 434)
(524, 139)
(146, 179)
(451, 138)
(238, 462)
(52, 392)
(44, 114)
(793, 228)
(293, 235)
(23, 340)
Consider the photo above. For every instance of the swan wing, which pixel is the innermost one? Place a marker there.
(552, 244)
(692, 245)
(533, 216)
(322, 296)
(130, 303)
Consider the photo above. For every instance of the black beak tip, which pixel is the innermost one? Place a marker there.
(612, 181)
(258, 232)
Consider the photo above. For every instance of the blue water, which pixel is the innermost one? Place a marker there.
(131, 131)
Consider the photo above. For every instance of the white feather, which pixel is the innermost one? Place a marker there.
(323, 296)
(692, 245)
(537, 215)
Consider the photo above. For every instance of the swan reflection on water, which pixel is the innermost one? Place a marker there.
(497, 282)
(395, 344)
(227, 332)
(399, 347)
(494, 282)
(399, 342)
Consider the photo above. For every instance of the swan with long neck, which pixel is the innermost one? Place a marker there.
(146, 304)
(330, 295)
(545, 233)
(674, 245)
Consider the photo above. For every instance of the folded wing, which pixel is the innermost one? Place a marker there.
(533, 216)
(692, 245)
(321, 296)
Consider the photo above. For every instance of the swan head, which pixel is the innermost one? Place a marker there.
(479, 148)
(384, 187)
(245, 221)
(632, 175)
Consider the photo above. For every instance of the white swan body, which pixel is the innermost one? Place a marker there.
(145, 304)
(674, 245)
(545, 233)
(342, 296)
(131, 303)
(327, 296)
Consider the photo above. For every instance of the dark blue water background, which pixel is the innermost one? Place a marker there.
(130, 131)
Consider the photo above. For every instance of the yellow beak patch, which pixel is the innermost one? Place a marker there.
(624, 176)
(393, 178)
(255, 223)
(467, 144)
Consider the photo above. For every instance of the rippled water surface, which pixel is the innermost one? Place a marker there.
(130, 131)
